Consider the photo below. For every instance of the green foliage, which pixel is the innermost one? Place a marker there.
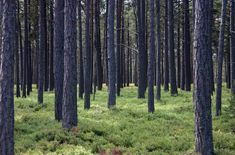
(128, 128)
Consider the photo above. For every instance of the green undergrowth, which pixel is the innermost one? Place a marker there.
(126, 129)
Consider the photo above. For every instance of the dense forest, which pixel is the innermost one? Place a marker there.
(117, 77)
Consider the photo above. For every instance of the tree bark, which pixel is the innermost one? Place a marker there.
(7, 78)
(202, 94)
(69, 109)
(158, 67)
(58, 56)
(111, 56)
(232, 45)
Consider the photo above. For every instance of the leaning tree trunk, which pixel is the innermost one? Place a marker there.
(111, 56)
(69, 109)
(7, 78)
(58, 56)
(202, 89)
(220, 59)
(42, 48)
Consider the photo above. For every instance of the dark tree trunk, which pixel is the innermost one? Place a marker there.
(98, 45)
(111, 56)
(151, 59)
(202, 94)
(228, 70)
(46, 57)
(171, 47)
(1, 14)
(142, 57)
(29, 56)
(51, 67)
(7, 78)
(179, 45)
(220, 58)
(118, 45)
(81, 70)
(58, 56)
(166, 61)
(26, 46)
(128, 55)
(17, 63)
(158, 67)
(69, 109)
(187, 46)
(88, 59)
(232, 45)
(42, 49)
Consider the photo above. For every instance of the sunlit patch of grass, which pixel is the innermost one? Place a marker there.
(128, 128)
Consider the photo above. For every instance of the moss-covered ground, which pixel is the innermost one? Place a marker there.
(126, 129)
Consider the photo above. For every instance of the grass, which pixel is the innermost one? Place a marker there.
(128, 128)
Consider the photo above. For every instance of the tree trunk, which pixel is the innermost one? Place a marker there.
(158, 67)
(232, 45)
(42, 49)
(202, 94)
(58, 56)
(69, 109)
(187, 46)
(111, 56)
(98, 45)
(88, 59)
(151, 59)
(171, 47)
(220, 58)
(166, 61)
(51, 67)
(7, 78)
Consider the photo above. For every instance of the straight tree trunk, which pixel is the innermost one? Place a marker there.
(7, 78)
(69, 108)
(151, 59)
(187, 46)
(17, 63)
(220, 58)
(111, 56)
(142, 57)
(58, 56)
(98, 45)
(88, 58)
(26, 46)
(51, 67)
(42, 48)
(171, 47)
(158, 67)
(81, 77)
(202, 94)
(166, 61)
(232, 45)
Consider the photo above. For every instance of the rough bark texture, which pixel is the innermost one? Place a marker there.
(142, 57)
(58, 56)
(202, 94)
(151, 59)
(26, 46)
(158, 67)
(87, 58)
(7, 78)
(42, 49)
(232, 45)
(69, 109)
(111, 56)
(171, 47)
(220, 58)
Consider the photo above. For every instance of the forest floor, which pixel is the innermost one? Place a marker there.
(128, 128)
